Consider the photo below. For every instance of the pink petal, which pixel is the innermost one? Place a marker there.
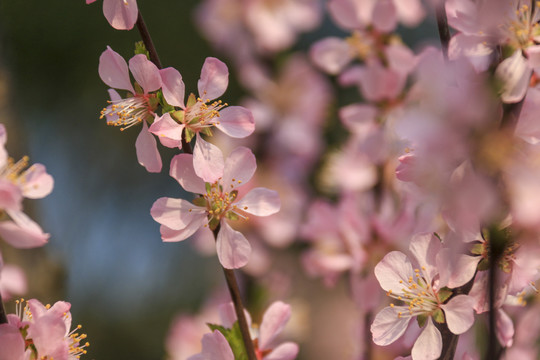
(147, 151)
(515, 74)
(384, 16)
(207, 161)
(168, 131)
(239, 167)
(331, 54)
(428, 346)
(388, 326)
(173, 87)
(90, 1)
(233, 249)
(505, 328)
(410, 12)
(236, 121)
(11, 343)
(37, 183)
(176, 214)
(22, 232)
(113, 70)
(10, 196)
(227, 315)
(182, 170)
(459, 313)
(214, 347)
(455, 269)
(260, 202)
(170, 235)
(145, 73)
(395, 266)
(533, 56)
(400, 58)
(274, 320)
(214, 79)
(358, 118)
(285, 351)
(349, 14)
(424, 248)
(121, 14)
(474, 48)
(12, 281)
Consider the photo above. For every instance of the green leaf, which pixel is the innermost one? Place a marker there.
(140, 48)
(483, 265)
(421, 319)
(200, 201)
(192, 100)
(438, 316)
(178, 116)
(189, 134)
(477, 249)
(444, 294)
(208, 187)
(207, 131)
(166, 107)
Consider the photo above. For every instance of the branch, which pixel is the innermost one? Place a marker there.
(3, 317)
(442, 25)
(145, 35)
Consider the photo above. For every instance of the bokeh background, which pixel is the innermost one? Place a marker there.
(105, 255)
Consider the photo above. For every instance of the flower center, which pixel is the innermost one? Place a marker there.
(13, 171)
(523, 26)
(127, 112)
(202, 114)
(218, 202)
(418, 294)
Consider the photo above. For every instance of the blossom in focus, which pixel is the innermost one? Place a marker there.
(121, 14)
(41, 332)
(139, 104)
(219, 201)
(424, 295)
(199, 115)
(18, 181)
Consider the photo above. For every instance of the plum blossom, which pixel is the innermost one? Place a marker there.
(273, 322)
(140, 103)
(199, 115)
(121, 14)
(423, 292)
(219, 201)
(18, 181)
(41, 332)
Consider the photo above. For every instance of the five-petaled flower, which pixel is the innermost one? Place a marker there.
(219, 201)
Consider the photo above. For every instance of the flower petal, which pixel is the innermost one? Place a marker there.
(515, 74)
(113, 70)
(233, 249)
(388, 325)
(331, 54)
(147, 151)
(215, 347)
(176, 214)
(37, 183)
(384, 16)
(11, 343)
(285, 351)
(145, 72)
(260, 202)
(214, 79)
(168, 131)
(22, 232)
(395, 266)
(173, 87)
(459, 313)
(207, 160)
(505, 328)
(121, 14)
(274, 320)
(182, 170)
(170, 235)
(428, 346)
(239, 167)
(424, 248)
(235, 121)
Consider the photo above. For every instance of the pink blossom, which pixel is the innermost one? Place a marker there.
(139, 106)
(12, 281)
(422, 292)
(220, 201)
(121, 14)
(199, 115)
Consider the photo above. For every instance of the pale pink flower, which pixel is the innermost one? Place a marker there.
(200, 114)
(219, 201)
(12, 281)
(422, 290)
(139, 105)
(121, 14)
(214, 347)
(44, 331)
(17, 181)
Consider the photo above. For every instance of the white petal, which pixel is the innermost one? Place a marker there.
(428, 346)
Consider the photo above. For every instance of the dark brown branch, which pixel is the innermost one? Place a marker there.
(3, 317)
(442, 25)
(145, 35)
(236, 298)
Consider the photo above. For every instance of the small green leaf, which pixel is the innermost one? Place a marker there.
(232, 216)
(192, 100)
(483, 265)
(140, 48)
(213, 224)
(444, 294)
(178, 116)
(237, 343)
(421, 319)
(207, 131)
(208, 187)
(138, 89)
(166, 107)
(199, 201)
(438, 316)
(189, 134)
(477, 249)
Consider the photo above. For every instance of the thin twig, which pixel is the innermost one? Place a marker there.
(442, 25)
(145, 35)
(3, 317)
